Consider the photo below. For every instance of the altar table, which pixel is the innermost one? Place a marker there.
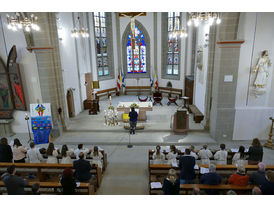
(143, 107)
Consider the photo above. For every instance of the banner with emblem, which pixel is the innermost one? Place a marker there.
(41, 122)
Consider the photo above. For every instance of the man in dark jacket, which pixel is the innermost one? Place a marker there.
(258, 178)
(14, 184)
(5, 151)
(211, 178)
(267, 187)
(133, 115)
(186, 164)
(82, 169)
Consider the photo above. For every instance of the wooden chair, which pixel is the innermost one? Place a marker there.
(157, 98)
(172, 100)
(142, 100)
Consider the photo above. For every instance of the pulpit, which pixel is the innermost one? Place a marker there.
(180, 121)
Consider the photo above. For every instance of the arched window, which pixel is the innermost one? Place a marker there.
(171, 46)
(136, 63)
(136, 58)
(103, 43)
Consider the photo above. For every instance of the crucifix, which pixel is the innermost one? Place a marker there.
(132, 16)
(269, 141)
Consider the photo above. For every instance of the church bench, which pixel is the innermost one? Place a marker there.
(185, 188)
(171, 91)
(197, 114)
(84, 188)
(107, 92)
(138, 89)
(44, 170)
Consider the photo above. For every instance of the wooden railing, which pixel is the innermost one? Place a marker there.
(107, 92)
(171, 91)
(138, 89)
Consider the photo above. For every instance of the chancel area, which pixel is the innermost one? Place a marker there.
(165, 102)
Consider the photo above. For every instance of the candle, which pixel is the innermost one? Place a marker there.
(109, 98)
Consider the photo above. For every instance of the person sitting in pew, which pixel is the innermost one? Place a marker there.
(240, 177)
(68, 182)
(171, 185)
(258, 177)
(211, 178)
(81, 149)
(19, 151)
(35, 188)
(97, 157)
(6, 154)
(205, 154)
(15, 185)
(172, 155)
(192, 152)
(255, 152)
(82, 169)
(221, 156)
(267, 187)
(158, 155)
(66, 155)
(33, 154)
(52, 154)
(239, 157)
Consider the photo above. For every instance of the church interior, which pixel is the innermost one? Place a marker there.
(194, 79)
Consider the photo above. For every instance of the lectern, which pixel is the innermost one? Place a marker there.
(180, 121)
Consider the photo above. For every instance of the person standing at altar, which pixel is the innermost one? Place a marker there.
(133, 115)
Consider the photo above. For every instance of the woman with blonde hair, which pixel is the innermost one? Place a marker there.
(171, 185)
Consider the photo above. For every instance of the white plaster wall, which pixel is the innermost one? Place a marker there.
(68, 57)
(200, 78)
(28, 67)
(252, 114)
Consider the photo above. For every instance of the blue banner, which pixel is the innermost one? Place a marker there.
(41, 128)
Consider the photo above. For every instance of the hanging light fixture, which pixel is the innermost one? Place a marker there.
(178, 32)
(82, 32)
(209, 17)
(18, 22)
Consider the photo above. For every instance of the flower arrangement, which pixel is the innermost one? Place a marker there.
(111, 107)
(134, 105)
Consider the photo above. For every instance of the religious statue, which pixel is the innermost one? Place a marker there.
(262, 71)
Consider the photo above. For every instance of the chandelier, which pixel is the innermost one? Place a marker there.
(82, 32)
(182, 33)
(17, 22)
(197, 17)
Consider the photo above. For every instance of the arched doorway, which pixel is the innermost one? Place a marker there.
(70, 102)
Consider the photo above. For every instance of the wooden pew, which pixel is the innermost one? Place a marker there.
(171, 91)
(197, 114)
(89, 189)
(107, 92)
(184, 188)
(44, 169)
(138, 89)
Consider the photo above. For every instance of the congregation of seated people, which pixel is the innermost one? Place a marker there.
(262, 180)
(17, 153)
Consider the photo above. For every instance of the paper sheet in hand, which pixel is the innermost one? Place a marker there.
(174, 163)
(155, 185)
(196, 167)
(204, 170)
(77, 184)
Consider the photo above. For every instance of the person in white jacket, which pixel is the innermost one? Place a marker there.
(239, 157)
(66, 155)
(97, 157)
(33, 154)
(81, 149)
(52, 154)
(192, 152)
(205, 155)
(221, 156)
(158, 155)
(172, 155)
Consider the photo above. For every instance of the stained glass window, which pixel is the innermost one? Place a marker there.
(173, 53)
(101, 43)
(136, 59)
